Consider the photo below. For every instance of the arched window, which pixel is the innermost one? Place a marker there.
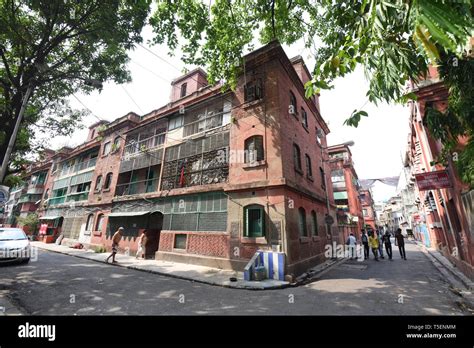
(98, 183)
(183, 90)
(302, 222)
(297, 157)
(314, 223)
(90, 220)
(116, 144)
(254, 149)
(292, 109)
(100, 221)
(108, 181)
(309, 169)
(254, 221)
(304, 117)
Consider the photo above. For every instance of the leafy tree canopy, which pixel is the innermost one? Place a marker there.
(60, 47)
(394, 41)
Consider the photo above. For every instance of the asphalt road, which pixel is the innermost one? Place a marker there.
(57, 284)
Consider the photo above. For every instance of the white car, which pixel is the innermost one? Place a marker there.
(14, 245)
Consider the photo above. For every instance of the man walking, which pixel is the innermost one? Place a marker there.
(365, 243)
(379, 236)
(401, 243)
(141, 245)
(388, 244)
(374, 244)
(351, 243)
(115, 243)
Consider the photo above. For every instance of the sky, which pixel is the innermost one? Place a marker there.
(379, 139)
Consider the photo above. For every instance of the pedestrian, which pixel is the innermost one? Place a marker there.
(379, 236)
(374, 244)
(400, 239)
(141, 245)
(388, 244)
(115, 243)
(352, 243)
(365, 243)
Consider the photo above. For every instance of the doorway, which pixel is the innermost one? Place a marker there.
(152, 233)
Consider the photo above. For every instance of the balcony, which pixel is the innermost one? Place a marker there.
(57, 200)
(202, 125)
(29, 198)
(136, 187)
(35, 189)
(78, 167)
(146, 144)
(77, 196)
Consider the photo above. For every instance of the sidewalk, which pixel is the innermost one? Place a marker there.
(460, 284)
(200, 274)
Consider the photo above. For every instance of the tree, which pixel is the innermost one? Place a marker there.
(61, 47)
(394, 41)
(29, 222)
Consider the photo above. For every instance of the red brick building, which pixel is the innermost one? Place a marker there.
(212, 176)
(346, 187)
(443, 221)
(368, 210)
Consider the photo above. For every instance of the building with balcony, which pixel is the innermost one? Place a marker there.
(346, 188)
(368, 210)
(211, 177)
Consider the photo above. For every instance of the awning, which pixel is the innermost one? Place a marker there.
(340, 195)
(49, 217)
(129, 213)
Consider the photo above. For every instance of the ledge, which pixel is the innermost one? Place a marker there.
(304, 240)
(252, 104)
(254, 164)
(250, 240)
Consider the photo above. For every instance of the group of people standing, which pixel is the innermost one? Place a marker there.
(376, 240)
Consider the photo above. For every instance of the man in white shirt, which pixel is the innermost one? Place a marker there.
(352, 243)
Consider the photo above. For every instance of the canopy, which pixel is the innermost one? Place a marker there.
(49, 217)
(129, 213)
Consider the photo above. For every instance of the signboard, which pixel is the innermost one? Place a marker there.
(433, 180)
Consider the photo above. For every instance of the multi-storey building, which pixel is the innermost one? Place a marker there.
(211, 177)
(346, 188)
(442, 220)
(368, 210)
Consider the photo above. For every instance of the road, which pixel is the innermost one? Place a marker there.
(58, 284)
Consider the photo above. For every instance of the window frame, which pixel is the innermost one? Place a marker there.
(309, 166)
(314, 223)
(297, 158)
(183, 90)
(293, 103)
(89, 222)
(253, 90)
(258, 147)
(252, 234)
(98, 183)
(99, 222)
(302, 222)
(107, 148)
(172, 124)
(107, 184)
(304, 117)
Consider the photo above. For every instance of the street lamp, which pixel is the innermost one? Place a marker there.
(328, 220)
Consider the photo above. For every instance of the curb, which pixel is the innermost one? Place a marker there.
(457, 283)
(241, 287)
(318, 271)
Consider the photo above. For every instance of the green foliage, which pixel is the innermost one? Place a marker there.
(100, 249)
(30, 221)
(59, 46)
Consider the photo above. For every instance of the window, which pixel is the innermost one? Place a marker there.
(319, 135)
(314, 223)
(323, 181)
(100, 220)
(108, 180)
(98, 183)
(309, 169)
(183, 90)
(253, 90)
(180, 241)
(106, 149)
(90, 220)
(297, 157)
(175, 122)
(293, 106)
(304, 117)
(254, 219)
(302, 222)
(116, 145)
(254, 149)
(364, 212)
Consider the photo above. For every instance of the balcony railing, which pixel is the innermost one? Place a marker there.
(77, 196)
(136, 187)
(57, 200)
(203, 125)
(145, 144)
(78, 167)
(29, 198)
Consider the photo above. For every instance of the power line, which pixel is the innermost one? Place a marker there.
(133, 100)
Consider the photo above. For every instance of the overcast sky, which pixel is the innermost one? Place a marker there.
(379, 139)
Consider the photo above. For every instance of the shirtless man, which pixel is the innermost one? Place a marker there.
(115, 243)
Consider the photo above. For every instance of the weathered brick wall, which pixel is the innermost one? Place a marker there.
(198, 243)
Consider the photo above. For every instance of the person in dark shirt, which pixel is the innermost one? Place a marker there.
(388, 244)
(365, 243)
(401, 243)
